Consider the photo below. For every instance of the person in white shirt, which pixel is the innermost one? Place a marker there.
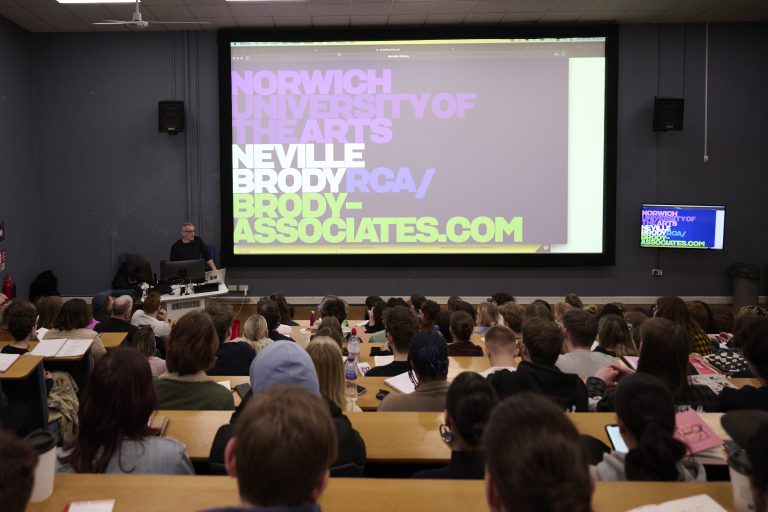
(579, 331)
(152, 314)
(501, 349)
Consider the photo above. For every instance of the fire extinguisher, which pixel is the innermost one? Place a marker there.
(9, 287)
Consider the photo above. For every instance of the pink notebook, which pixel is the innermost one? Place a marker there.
(695, 433)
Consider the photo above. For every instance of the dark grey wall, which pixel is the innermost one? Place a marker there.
(109, 183)
(18, 166)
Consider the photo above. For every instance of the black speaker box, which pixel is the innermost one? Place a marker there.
(170, 116)
(667, 114)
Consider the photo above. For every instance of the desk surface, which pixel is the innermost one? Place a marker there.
(22, 367)
(162, 493)
(112, 339)
(33, 344)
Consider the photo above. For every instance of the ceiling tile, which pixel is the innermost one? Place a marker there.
(676, 16)
(293, 21)
(638, 16)
(254, 21)
(600, 16)
(491, 6)
(573, 5)
(615, 5)
(54, 11)
(523, 17)
(329, 9)
(364, 20)
(698, 5)
(531, 5)
(484, 17)
(69, 25)
(411, 8)
(330, 21)
(35, 25)
(407, 19)
(17, 14)
(370, 9)
(557, 16)
(291, 10)
(249, 10)
(210, 11)
(445, 19)
(9, 3)
(452, 7)
(168, 12)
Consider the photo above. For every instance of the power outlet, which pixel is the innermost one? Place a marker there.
(657, 272)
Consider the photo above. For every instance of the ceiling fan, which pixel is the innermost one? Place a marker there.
(138, 22)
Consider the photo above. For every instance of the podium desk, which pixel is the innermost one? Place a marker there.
(177, 305)
(160, 493)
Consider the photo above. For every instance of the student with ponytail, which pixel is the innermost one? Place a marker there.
(469, 403)
(645, 411)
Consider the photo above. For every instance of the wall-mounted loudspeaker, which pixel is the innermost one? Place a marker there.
(170, 116)
(667, 114)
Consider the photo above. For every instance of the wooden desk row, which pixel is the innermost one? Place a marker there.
(391, 437)
(149, 493)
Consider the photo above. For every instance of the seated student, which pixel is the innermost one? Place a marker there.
(534, 459)
(17, 472)
(284, 308)
(114, 417)
(401, 326)
(331, 305)
(330, 327)
(539, 308)
(753, 338)
(513, 315)
(415, 301)
(675, 310)
(281, 451)
(255, 333)
(119, 321)
(374, 315)
(381, 336)
(428, 316)
(664, 354)
(269, 310)
(144, 341)
(453, 301)
(498, 299)
(579, 331)
(327, 358)
(443, 322)
(285, 362)
(48, 310)
(468, 406)
(542, 340)
(614, 337)
(152, 314)
(428, 356)
(233, 357)
(461, 331)
(749, 430)
(487, 317)
(192, 348)
(645, 412)
(101, 306)
(72, 322)
(501, 349)
(574, 300)
(20, 318)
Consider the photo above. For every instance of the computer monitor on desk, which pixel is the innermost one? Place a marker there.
(187, 271)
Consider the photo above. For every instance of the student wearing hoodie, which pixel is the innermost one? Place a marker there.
(285, 362)
(645, 412)
(542, 341)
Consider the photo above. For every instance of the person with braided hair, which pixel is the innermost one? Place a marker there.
(428, 355)
(469, 403)
(645, 411)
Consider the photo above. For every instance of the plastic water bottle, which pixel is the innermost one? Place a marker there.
(353, 346)
(350, 376)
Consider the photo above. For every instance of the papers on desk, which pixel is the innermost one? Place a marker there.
(227, 384)
(361, 324)
(382, 360)
(62, 347)
(714, 382)
(363, 367)
(92, 506)
(698, 503)
(6, 360)
(402, 383)
(40, 333)
(695, 432)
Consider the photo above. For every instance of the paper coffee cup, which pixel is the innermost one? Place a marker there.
(45, 445)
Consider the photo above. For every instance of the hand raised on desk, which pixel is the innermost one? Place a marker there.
(611, 374)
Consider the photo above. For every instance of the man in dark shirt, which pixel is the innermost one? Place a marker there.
(542, 342)
(271, 313)
(120, 319)
(401, 325)
(190, 247)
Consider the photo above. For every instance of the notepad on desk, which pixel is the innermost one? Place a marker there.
(382, 360)
(62, 347)
(697, 435)
(6, 360)
(402, 383)
(698, 503)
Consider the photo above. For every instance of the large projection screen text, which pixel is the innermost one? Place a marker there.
(432, 150)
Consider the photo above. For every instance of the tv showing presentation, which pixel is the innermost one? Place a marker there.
(427, 150)
(682, 227)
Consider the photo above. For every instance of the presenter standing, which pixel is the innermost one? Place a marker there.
(191, 247)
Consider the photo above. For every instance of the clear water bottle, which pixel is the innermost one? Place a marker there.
(353, 346)
(350, 376)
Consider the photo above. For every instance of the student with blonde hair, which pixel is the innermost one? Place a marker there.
(255, 332)
(326, 356)
(487, 317)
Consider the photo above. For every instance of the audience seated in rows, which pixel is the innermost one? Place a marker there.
(101, 306)
(542, 341)
(500, 298)
(17, 472)
(614, 337)
(513, 315)
(428, 356)
(674, 309)
(443, 322)
(281, 451)
(330, 326)
(48, 310)
(469, 403)
(20, 318)
(401, 324)
(534, 458)
(428, 316)
(579, 331)
(115, 436)
(645, 412)
(233, 357)
(271, 313)
(145, 342)
(284, 362)
(574, 300)
(284, 309)
(255, 333)
(192, 348)
(72, 322)
(753, 339)
(373, 315)
(539, 309)
(487, 317)
(119, 321)
(501, 348)
(559, 309)
(664, 354)
(152, 313)
(326, 356)
(416, 301)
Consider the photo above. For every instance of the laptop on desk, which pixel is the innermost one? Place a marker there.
(215, 276)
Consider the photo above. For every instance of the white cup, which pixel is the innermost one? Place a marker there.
(45, 445)
(743, 500)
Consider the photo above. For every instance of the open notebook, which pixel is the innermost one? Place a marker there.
(62, 347)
